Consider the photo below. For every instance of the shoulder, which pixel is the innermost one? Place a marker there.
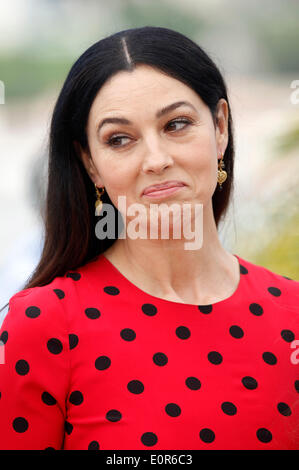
(58, 300)
(279, 288)
(31, 311)
(37, 298)
(35, 324)
(48, 296)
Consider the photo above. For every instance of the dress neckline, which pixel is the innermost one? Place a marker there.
(233, 297)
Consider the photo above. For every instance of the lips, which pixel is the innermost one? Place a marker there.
(166, 185)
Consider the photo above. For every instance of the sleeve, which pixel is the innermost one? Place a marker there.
(34, 371)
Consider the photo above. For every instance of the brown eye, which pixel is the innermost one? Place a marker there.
(115, 140)
(186, 122)
(112, 140)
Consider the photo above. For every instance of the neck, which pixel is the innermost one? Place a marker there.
(167, 270)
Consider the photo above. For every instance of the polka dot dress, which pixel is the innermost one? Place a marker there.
(93, 362)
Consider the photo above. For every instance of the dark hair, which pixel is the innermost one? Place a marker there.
(70, 239)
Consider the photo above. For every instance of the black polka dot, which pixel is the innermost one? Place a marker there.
(274, 291)
(102, 362)
(54, 346)
(264, 435)
(149, 309)
(284, 409)
(111, 290)
(20, 424)
(296, 383)
(236, 331)
(256, 309)
(4, 336)
(76, 398)
(32, 312)
(92, 313)
(48, 399)
(243, 270)
(287, 335)
(215, 357)
(22, 367)
(127, 334)
(149, 439)
(135, 386)
(113, 415)
(269, 358)
(49, 448)
(193, 383)
(160, 359)
(228, 408)
(172, 409)
(68, 427)
(60, 294)
(207, 435)
(93, 445)
(182, 332)
(73, 340)
(205, 308)
(74, 276)
(249, 382)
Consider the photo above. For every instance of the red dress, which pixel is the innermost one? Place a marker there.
(93, 362)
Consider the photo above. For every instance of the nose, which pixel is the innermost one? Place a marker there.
(156, 159)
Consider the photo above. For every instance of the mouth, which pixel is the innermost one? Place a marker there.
(158, 193)
(162, 187)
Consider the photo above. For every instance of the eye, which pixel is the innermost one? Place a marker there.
(184, 121)
(117, 138)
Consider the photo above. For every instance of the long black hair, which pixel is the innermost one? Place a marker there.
(69, 219)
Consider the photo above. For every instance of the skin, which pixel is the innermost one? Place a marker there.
(152, 151)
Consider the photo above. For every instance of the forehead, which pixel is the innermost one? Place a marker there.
(143, 88)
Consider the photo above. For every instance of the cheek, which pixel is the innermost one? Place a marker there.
(201, 160)
(117, 180)
(202, 154)
(113, 170)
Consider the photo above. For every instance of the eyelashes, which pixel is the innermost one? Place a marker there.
(116, 137)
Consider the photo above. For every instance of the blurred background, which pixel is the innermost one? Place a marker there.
(255, 45)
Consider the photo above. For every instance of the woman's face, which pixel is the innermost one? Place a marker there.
(151, 146)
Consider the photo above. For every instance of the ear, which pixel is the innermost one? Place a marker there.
(85, 157)
(222, 126)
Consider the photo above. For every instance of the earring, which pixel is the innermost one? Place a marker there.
(99, 202)
(222, 175)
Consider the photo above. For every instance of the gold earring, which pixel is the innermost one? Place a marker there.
(222, 175)
(99, 202)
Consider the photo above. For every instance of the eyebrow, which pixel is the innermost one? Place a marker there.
(161, 112)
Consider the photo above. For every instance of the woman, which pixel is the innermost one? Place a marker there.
(138, 343)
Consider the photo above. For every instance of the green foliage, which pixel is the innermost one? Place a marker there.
(278, 38)
(158, 13)
(276, 244)
(287, 141)
(25, 75)
(282, 253)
